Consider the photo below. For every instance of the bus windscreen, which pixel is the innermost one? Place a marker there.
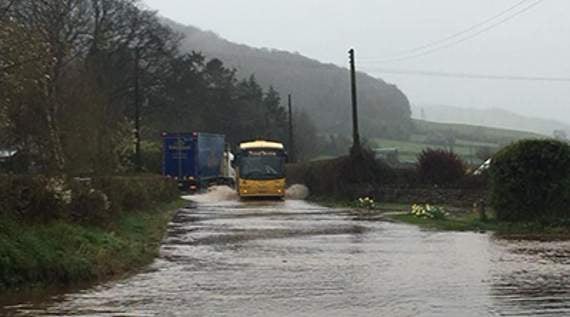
(261, 164)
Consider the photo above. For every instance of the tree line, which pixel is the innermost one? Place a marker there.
(322, 90)
(82, 81)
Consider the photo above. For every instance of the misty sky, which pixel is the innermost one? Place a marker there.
(535, 43)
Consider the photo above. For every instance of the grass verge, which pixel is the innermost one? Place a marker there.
(458, 220)
(510, 230)
(62, 253)
(464, 222)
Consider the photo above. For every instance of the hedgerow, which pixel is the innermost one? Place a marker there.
(530, 180)
(91, 200)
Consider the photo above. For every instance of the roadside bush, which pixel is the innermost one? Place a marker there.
(89, 205)
(93, 201)
(440, 167)
(530, 180)
(33, 197)
(364, 168)
(321, 177)
(151, 156)
(138, 192)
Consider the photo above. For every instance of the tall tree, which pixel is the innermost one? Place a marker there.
(62, 27)
(275, 118)
(24, 81)
(307, 141)
(76, 74)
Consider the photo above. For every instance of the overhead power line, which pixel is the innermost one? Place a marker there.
(468, 75)
(446, 42)
(465, 31)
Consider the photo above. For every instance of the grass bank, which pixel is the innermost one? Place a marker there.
(34, 255)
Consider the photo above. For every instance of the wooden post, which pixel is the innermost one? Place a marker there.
(355, 131)
(292, 154)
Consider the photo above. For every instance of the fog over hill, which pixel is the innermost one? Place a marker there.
(323, 90)
(491, 117)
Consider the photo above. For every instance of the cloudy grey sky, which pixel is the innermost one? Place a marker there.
(535, 42)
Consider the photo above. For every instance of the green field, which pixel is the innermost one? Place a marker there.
(467, 140)
(409, 150)
(473, 133)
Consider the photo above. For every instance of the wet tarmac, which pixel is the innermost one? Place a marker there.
(223, 257)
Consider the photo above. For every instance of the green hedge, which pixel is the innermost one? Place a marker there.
(530, 181)
(92, 200)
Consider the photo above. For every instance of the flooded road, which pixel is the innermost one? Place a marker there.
(223, 257)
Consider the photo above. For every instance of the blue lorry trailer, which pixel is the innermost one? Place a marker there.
(195, 160)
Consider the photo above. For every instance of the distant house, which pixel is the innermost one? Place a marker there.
(390, 155)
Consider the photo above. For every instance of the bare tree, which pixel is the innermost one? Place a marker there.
(62, 27)
(131, 51)
(70, 64)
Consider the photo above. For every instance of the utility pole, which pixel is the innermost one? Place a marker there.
(355, 134)
(138, 160)
(292, 155)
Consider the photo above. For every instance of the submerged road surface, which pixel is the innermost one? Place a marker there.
(230, 258)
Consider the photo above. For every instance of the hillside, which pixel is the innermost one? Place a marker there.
(322, 90)
(492, 117)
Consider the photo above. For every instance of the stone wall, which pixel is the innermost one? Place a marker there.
(459, 197)
(322, 180)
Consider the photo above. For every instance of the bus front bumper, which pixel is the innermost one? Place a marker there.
(262, 188)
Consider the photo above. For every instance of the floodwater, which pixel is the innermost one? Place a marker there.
(223, 257)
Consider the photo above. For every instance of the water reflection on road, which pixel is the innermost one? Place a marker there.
(223, 257)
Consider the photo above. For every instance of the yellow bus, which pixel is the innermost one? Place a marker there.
(260, 169)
